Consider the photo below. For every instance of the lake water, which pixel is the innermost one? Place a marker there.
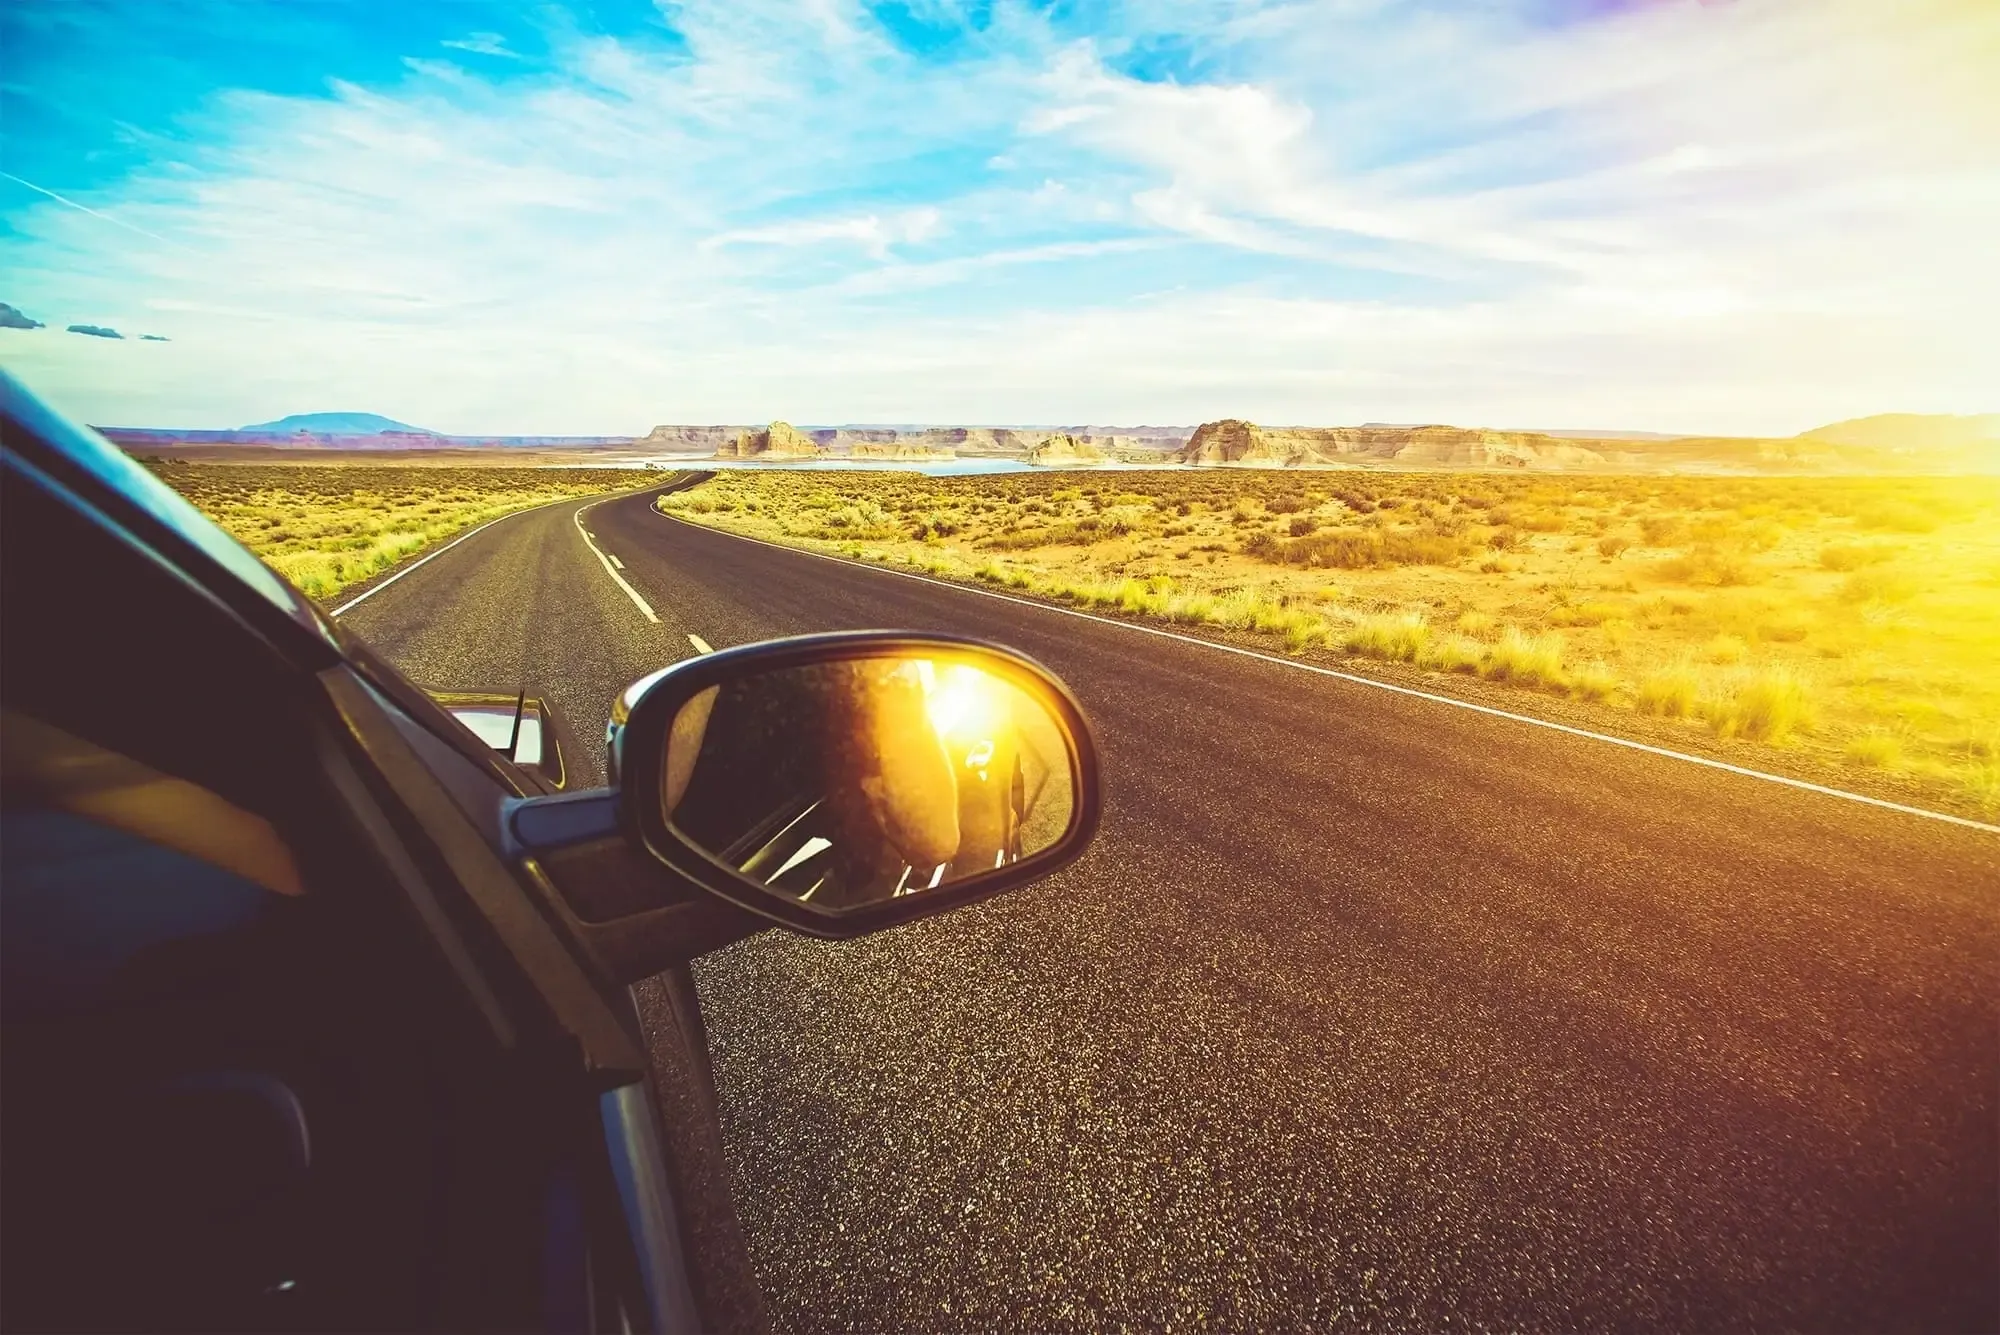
(928, 467)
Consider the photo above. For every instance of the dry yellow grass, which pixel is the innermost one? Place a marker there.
(1785, 611)
(327, 527)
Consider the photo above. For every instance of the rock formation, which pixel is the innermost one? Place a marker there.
(687, 439)
(1064, 449)
(897, 449)
(1233, 441)
(780, 440)
(976, 442)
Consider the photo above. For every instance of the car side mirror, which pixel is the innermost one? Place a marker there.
(843, 783)
(834, 784)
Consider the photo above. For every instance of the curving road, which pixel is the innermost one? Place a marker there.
(1363, 1011)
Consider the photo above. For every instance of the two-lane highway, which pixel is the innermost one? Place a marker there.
(1364, 1010)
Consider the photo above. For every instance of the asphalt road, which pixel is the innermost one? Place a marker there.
(1363, 1011)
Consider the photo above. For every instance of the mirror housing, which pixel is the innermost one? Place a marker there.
(643, 736)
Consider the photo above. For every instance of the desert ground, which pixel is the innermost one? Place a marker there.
(326, 527)
(1854, 622)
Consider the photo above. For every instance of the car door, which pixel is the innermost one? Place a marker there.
(288, 1043)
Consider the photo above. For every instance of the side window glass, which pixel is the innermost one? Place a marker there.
(102, 858)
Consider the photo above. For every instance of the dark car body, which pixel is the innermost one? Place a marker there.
(324, 1054)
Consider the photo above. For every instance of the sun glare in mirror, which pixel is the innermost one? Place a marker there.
(851, 782)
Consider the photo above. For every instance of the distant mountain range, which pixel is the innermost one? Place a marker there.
(1891, 443)
(1888, 443)
(1911, 431)
(339, 424)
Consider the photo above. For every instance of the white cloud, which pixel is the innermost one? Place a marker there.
(1730, 217)
(483, 44)
(872, 232)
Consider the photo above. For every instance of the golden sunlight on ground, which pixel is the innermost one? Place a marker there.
(1855, 618)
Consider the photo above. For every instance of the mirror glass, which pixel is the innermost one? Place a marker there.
(847, 783)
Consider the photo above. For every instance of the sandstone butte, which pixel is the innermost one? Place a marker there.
(1064, 448)
(780, 440)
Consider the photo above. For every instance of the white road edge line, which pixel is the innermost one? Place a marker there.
(616, 578)
(364, 597)
(1371, 682)
(701, 646)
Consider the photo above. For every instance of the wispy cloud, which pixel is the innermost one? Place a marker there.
(872, 232)
(1751, 217)
(98, 214)
(483, 44)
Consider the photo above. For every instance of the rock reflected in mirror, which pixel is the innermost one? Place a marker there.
(848, 783)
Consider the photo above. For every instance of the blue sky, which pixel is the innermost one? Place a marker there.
(1747, 215)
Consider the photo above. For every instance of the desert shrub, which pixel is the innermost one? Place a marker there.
(1767, 706)
(1725, 649)
(1670, 692)
(1896, 516)
(1876, 586)
(1875, 750)
(1453, 653)
(1981, 783)
(1846, 556)
(1710, 566)
(1613, 545)
(1285, 505)
(1527, 660)
(1663, 530)
(1475, 622)
(1399, 638)
(1357, 549)
(1761, 537)
(1596, 681)
(1586, 614)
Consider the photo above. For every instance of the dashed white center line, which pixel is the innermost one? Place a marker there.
(613, 558)
(611, 570)
(701, 646)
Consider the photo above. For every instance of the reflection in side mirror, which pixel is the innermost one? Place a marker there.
(843, 783)
(847, 783)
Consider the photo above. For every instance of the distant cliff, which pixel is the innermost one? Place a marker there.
(896, 449)
(977, 441)
(688, 439)
(1234, 441)
(780, 440)
(1889, 444)
(1063, 448)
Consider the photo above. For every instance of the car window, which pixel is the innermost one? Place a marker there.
(104, 859)
(114, 469)
(45, 767)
